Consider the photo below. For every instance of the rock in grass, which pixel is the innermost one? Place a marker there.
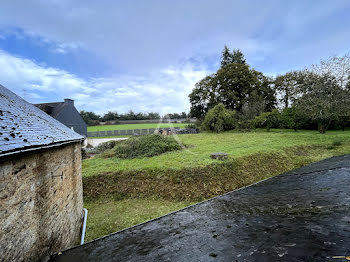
(219, 156)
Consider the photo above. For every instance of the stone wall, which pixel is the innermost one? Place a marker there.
(41, 203)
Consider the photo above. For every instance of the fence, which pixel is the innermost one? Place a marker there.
(124, 132)
(180, 120)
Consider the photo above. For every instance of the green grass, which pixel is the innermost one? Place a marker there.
(133, 126)
(121, 193)
(236, 144)
(110, 215)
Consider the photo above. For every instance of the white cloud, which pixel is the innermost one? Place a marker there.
(161, 91)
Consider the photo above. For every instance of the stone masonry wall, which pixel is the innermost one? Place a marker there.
(41, 203)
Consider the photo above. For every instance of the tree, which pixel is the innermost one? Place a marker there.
(323, 99)
(235, 57)
(226, 57)
(238, 57)
(286, 85)
(110, 116)
(203, 97)
(90, 118)
(336, 66)
(234, 85)
(268, 120)
(219, 119)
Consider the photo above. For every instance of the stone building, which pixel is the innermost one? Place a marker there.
(67, 114)
(41, 202)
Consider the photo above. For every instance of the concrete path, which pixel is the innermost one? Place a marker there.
(303, 215)
(96, 141)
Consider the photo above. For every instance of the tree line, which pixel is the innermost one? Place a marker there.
(94, 119)
(238, 96)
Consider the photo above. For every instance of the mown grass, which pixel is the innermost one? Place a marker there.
(133, 126)
(109, 215)
(122, 193)
(236, 144)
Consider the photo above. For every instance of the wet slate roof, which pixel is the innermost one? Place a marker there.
(303, 215)
(25, 127)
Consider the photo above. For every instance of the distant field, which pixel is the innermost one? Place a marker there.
(133, 126)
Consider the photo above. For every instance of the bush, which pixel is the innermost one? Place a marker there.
(268, 120)
(219, 119)
(106, 146)
(191, 126)
(145, 146)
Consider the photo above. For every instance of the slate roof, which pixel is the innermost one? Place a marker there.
(25, 127)
(302, 215)
(67, 114)
(53, 108)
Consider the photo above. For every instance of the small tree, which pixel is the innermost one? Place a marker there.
(219, 119)
(268, 120)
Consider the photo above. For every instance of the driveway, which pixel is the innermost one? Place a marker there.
(96, 141)
(303, 215)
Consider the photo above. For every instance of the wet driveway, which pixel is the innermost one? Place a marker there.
(303, 215)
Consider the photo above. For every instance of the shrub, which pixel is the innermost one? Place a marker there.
(106, 146)
(145, 146)
(219, 119)
(268, 120)
(191, 126)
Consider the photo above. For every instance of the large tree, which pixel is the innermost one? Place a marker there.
(323, 99)
(337, 66)
(287, 87)
(237, 87)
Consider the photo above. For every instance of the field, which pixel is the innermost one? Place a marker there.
(133, 126)
(132, 191)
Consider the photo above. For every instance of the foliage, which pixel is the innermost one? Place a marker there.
(90, 118)
(287, 86)
(106, 146)
(145, 146)
(93, 119)
(268, 120)
(133, 126)
(191, 126)
(219, 119)
(323, 99)
(176, 115)
(236, 86)
(235, 57)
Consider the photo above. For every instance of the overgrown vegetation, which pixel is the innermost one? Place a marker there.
(314, 98)
(144, 146)
(219, 119)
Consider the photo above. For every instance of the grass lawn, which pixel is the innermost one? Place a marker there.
(122, 193)
(133, 126)
(109, 215)
(200, 146)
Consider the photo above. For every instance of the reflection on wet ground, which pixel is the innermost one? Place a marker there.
(302, 215)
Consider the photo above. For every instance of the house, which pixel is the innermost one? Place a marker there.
(66, 113)
(41, 200)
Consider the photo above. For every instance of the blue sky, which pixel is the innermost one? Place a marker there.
(147, 55)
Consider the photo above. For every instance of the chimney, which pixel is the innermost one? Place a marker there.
(68, 101)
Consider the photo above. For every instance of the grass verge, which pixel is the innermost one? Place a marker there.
(109, 215)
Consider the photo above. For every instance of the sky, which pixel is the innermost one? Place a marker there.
(146, 56)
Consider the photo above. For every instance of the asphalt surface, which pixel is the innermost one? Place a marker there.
(302, 215)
